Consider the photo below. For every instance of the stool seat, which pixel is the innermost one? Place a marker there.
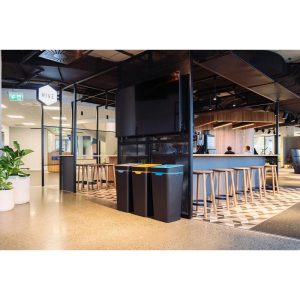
(241, 168)
(256, 167)
(222, 170)
(202, 172)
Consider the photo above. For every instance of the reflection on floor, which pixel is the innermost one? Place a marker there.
(248, 215)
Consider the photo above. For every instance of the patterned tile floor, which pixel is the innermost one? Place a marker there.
(244, 216)
(105, 195)
(248, 215)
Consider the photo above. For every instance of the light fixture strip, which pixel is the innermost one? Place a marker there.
(222, 125)
(242, 126)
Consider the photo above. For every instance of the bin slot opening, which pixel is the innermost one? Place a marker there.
(162, 173)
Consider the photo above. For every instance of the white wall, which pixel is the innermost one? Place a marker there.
(28, 138)
(237, 139)
(5, 129)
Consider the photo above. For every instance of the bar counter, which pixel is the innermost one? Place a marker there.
(216, 161)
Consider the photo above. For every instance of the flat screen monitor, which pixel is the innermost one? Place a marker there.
(150, 108)
(158, 106)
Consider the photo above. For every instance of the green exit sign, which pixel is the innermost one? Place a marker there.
(14, 96)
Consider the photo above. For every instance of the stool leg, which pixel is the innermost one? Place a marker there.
(114, 175)
(82, 177)
(87, 177)
(212, 195)
(237, 182)
(219, 186)
(226, 188)
(197, 191)
(204, 195)
(276, 179)
(106, 176)
(263, 180)
(260, 184)
(273, 180)
(77, 176)
(250, 185)
(233, 188)
(245, 186)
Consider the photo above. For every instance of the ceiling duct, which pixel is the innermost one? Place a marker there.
(63, 56)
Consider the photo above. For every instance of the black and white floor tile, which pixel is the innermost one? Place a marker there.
(248, 215)
(103, 194)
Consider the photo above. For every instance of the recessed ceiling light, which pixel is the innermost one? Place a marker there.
(15, 117)
(3, 106)
(58, 118)
(51, 107)
(28, 124)
(66, 124)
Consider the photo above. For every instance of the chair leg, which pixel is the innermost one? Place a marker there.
(204, 195)
(212, 195)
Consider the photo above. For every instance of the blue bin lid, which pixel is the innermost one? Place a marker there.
(169, 166)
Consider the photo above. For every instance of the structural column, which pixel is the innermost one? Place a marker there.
(277, 110)
(60, 138)
(43, 145)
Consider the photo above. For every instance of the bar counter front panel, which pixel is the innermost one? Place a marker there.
(217, 161)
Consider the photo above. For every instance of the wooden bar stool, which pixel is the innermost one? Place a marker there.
(247, 182)
(80, 175)
(273, 169)
(261, 179)
(204, 174)
(227, 173)
(107, 168)
(94, 170)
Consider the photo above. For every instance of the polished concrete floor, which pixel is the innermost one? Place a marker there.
(56, 220)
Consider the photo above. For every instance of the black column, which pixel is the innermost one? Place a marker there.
(60, 138)
(97, 134)
(277, 110)
(74, 135)
(43, 145)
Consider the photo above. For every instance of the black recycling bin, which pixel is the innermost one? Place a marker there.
(167, 186)
(124, 187)
(141, 190)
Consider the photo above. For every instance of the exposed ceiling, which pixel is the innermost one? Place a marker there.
(95, 73)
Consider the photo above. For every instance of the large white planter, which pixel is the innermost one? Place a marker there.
(6, 200)
(21, 188)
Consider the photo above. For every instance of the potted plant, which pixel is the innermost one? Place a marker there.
(12, 160)
(6, 192)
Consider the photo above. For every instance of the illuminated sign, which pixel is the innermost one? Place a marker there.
(15, 96)
(47, 95)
